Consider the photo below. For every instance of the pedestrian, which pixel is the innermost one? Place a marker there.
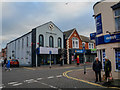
(97, 66)
(107, 68)
(5, 62)
(61, 61)
(78, 62)
(8, 65)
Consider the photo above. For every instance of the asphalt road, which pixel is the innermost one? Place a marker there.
(41, 78)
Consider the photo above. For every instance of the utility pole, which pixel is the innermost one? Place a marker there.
(84, 58)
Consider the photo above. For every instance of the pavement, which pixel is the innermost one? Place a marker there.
(89, 78)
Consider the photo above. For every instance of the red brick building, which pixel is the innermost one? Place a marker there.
(73, 44)
(3, 53)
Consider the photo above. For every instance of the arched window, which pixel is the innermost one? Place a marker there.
(75, 42)
(51, 43)
(59, 42)
(41, 40)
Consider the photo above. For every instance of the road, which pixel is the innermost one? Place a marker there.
(41, 78)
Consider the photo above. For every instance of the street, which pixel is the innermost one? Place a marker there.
(28, 77)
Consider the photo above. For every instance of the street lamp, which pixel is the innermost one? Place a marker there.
(83, 46)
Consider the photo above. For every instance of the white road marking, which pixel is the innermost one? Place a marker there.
(52, 86)
(50, 77)
(17, 84)
(1, 87)
(39, 78)
(12, 82)
(29, 80)
(59, 76)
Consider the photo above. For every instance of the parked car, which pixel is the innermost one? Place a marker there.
(14, 63)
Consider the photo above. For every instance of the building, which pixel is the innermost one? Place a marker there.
(73, 44)
(107, 17)
(37, 47)
(3, 53)
(89, 47)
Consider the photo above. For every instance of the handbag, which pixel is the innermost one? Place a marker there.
(110, 78)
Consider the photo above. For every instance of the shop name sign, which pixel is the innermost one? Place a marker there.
(108, 39)
(78, 51)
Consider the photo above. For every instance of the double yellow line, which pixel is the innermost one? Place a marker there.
(65, 75)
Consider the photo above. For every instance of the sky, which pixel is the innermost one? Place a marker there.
(19, 18)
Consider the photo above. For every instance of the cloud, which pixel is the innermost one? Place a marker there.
(20, 18)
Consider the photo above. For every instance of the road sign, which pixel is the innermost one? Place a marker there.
(50, 52)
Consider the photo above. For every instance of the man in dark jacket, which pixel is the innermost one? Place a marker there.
(97, 66)
(107, 67)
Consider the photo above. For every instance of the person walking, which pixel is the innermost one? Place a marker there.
(5, 62)
(97, 66)
(61, 61)
(107, 68)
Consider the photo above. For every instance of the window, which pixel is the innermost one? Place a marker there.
(75, 42)
(59, 42)
(41, 40)
(27, 42)
(51, 41)
(22, 42)
(18, 44)
(117, 19)
(117, 58)
(91, 45)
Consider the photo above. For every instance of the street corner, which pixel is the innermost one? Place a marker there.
(89, 77)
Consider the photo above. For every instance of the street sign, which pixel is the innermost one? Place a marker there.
(50, 52)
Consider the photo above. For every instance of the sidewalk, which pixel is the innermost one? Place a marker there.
(55, 66)
(90, 76)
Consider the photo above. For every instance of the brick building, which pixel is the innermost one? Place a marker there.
(73, 44)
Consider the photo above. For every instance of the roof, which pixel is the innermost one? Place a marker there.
(68, 33)
(86, 39)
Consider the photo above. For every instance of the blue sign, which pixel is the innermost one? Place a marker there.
(108, 39)
(78, 51)
(83, 49)
(92, 36)
(50, 52)
(38, 51)
(99, 24)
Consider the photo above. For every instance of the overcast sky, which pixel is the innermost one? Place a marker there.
(19, 18)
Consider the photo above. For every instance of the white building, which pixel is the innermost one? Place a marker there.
(107, 17)
(35, 47)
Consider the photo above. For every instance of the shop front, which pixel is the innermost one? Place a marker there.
(78, 53)
(45, 55)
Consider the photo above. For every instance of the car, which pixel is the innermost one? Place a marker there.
(14, 63)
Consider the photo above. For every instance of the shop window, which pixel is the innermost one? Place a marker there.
(75, 42)
(59, 42)
(117, 58)
(51, 41)
(117, 19)
(41, 40)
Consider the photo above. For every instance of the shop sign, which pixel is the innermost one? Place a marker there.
(93, 51)
(99, 24)
(78, 51)
(108, 39)
(92, 36)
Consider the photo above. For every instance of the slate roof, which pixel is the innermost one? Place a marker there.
(86, 39)
(68, 33)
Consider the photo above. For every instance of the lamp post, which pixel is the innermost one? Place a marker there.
(83, 46)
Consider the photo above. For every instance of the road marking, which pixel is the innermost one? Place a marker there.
(47, 85)
(17, 84)
(29, 68)
(50, 77)
(39, 78)
(12, 82)
(59, 76)
(65, 75)
(28, 80)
